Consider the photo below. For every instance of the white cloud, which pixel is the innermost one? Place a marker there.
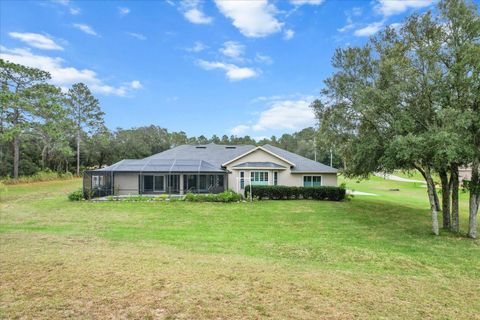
(85, 28)
(369, 30)
(263, 58)
(239, 130)
(123, 11)
(302, 2)
(233, 72)
(288, 34)
(64, 76)
(193, 12)
(36, 40)
(197, 47)
(232, 49)
(253, 18)
(286, 114)
(135, 35)
(135, 84)
(347, 27)
(67, 3)
(392, 7)
(197, 16)
(75, 11)
(354, 12)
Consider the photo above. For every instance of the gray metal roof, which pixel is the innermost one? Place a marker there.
(259, 165)
(209, 158)
(215, 154)
(302, 164)
(162, 165)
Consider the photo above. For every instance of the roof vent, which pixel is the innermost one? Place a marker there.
(230, 147)
(201, 147)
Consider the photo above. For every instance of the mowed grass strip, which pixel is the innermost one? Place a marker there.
(370, 257)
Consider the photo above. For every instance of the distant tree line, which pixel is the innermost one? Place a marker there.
(410, 99)
(43, 128)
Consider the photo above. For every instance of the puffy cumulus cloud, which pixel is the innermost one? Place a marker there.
(232, 49)
(286, 114)
(232, 72)
(253, 18)
(36, 40)
(64, 76)
(392, 7)
(288, 34)
(239, 130)
(135, 84)
(193, 12)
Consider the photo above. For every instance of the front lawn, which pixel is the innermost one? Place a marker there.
(370, 257)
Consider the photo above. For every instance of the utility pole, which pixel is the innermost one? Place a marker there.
(315, 147)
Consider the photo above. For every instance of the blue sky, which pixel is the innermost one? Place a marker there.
(203, 67)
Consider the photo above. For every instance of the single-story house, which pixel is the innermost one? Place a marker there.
(210, 168)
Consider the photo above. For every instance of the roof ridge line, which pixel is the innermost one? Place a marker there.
(141, 170)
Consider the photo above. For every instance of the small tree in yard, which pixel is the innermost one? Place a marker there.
(84, 111)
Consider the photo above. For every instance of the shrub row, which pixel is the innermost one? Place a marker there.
(47, 175)
(226, 196)
(286, 192)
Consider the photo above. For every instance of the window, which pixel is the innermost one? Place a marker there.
(242, 180)
(275, 178)
(312, 181)
(220, 181)
(97, 181)
(159, 184)
(203, 182)
(259, 177)
(147, 183)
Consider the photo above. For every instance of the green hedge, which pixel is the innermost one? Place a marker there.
(286, 192)
(226, 196)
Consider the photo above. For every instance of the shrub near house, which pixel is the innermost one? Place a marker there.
(287, 192)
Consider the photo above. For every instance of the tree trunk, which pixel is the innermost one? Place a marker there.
(78, 152)
(445, 198)
(16, 155)
(474, 187)
(431, 196)
(455, 226)
(44, 156)
(435, 197)
(16, 145)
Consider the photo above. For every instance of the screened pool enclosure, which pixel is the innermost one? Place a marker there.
(154, 176)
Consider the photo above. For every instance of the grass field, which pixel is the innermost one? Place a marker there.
(370, 257)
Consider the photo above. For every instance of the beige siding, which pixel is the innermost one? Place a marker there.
(126, 183)
(285, 177)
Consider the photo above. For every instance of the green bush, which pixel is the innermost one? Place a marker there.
(226, 196)
(76, 195)
(286, 192)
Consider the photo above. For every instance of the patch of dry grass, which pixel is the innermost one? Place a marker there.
(45, 276)
(366, 258)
